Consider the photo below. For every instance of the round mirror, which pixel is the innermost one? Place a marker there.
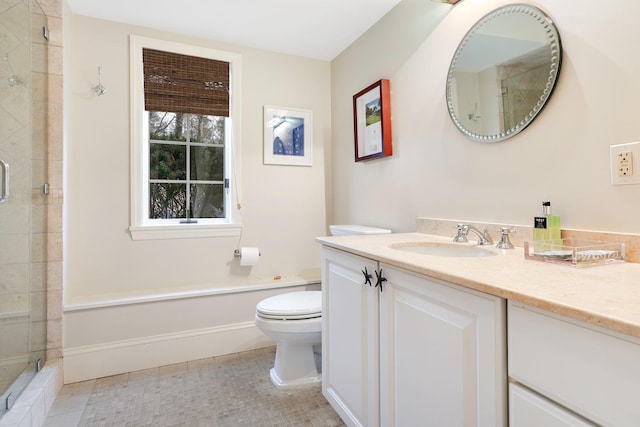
(503, 73)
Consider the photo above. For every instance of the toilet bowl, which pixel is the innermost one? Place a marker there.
(293, 320)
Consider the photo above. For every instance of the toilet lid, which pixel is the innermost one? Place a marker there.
(291, 306)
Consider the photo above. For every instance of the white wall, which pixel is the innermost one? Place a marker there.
(283, 206)
(436, 172)
(284, 209)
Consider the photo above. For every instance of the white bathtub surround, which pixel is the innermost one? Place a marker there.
(141, 332)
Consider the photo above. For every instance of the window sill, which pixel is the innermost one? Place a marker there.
(184, 231)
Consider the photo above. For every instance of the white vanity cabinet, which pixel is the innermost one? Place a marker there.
(420, 353)
(350, 338)
(579, 372)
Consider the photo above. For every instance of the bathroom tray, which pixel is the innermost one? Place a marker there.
(575, 252)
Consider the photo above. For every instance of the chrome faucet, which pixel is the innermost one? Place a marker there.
(461, 233)
(463, 230)
(505, 242)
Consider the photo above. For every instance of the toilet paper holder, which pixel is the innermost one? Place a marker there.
(236, 253)
(248, 256)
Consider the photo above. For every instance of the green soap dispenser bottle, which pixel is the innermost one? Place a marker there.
(546, 226)
(554, 227)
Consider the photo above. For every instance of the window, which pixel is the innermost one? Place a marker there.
(186, 166)
(184, 100)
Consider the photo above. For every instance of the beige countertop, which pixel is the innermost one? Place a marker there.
(607, 296)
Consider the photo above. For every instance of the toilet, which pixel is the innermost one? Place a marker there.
(294, 321)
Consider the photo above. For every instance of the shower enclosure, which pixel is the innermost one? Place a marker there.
(23, 210)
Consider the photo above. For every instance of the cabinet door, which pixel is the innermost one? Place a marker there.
(350, 338)
(442, 354)
(527, 409)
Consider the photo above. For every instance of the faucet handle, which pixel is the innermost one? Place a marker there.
(461, 233)
(505, 242)
(507, 230)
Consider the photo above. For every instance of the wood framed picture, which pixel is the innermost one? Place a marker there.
(288, 136)
(372, 121)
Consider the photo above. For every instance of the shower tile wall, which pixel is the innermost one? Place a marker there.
(14, 228)
(31, 140)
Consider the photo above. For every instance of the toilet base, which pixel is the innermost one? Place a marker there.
(298, 383)
(295, 365)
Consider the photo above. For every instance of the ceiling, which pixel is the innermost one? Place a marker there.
(308, 28)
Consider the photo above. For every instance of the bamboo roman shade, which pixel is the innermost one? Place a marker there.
(185, 84)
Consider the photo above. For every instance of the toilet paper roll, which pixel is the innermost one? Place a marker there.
(249, 256)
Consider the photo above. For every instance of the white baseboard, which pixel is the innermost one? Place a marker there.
(96, 361)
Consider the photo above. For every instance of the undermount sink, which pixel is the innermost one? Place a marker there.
(443, 249)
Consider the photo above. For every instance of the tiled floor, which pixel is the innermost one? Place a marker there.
(232, 390)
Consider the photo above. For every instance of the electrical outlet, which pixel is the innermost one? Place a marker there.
(622, 157)
(624, 164)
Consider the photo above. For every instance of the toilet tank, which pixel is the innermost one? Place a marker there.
(350, 229)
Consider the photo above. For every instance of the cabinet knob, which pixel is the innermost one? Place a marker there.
(379, 279)
(367, 277)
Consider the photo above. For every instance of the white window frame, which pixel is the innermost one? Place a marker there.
(141, 227)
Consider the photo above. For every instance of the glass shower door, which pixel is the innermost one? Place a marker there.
(22, 215)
